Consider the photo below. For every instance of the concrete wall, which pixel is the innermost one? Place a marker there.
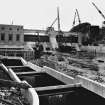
(91, 85)
(34, 67)
(30, 94)
(58, 75)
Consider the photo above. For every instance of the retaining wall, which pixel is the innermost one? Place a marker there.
(29, 94)
(58, 75)
(91, 85)
(34, 67)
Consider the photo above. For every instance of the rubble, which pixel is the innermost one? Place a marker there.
(12, 96)
(82, 61)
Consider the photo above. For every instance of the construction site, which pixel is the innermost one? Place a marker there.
(57, 68)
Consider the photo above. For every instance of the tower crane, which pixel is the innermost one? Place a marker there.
(51, 28)
(98, 10)
(54, 22)
(56, 19)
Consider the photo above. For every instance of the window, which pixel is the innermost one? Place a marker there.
(2, 36)
(17, 37)
(17, 29)
(21, 27)
(2, 28)
(10, 28)
(10, 37)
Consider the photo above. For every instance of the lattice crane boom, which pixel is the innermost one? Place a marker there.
(54, 22)
(76, 14)
(74, 18)
(98, 10)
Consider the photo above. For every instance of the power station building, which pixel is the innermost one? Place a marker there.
(11, 35)
(12, 41)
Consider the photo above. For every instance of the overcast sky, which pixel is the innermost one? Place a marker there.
(39, 14)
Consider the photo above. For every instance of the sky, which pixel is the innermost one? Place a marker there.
(39, 14)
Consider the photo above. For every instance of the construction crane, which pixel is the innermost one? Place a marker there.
(74, 19)
(98, 10)
(56, 19)
(54, 22)
(51, 28)
(76, 14)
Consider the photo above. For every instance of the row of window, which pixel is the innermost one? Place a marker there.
(3, 28)
(10, 37)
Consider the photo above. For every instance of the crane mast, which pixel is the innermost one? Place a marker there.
(58, 18)
(98, 10)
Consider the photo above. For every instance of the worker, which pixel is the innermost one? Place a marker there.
(38, 50)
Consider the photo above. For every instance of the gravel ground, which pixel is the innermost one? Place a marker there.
(82, 65)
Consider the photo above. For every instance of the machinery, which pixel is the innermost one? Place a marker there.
(56, 19)
(102, 31)
(61, 39)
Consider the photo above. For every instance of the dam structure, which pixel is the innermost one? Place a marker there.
(53, 87)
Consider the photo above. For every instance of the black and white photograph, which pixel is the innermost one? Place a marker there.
(52, 52)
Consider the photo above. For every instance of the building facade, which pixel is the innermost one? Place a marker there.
(12, 41)
(11, 35)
